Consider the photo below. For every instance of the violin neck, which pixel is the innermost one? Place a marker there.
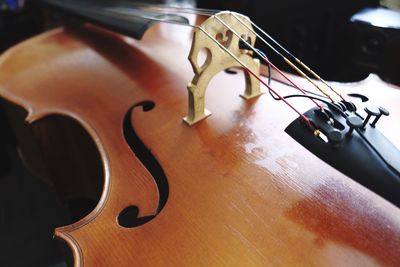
(98, 13)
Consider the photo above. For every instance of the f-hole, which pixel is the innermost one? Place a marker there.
(128, 217)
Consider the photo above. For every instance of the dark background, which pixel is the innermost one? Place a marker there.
(322, 35)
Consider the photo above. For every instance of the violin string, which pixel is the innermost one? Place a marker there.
(313, 73)
(256, 76)
(298, 61)
(130, 12)
(320, 79)
(295, 59)
(265, 59)
(180, 9)
(210, 12)
(300, 72)
(205, 12)
(307, 91)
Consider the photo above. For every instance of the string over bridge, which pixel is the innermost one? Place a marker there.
(217, 59)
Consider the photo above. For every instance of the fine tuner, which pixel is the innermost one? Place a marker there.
(333, 130)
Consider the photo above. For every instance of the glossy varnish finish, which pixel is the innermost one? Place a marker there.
(241, 191)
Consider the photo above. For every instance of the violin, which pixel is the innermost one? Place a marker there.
(118, 114)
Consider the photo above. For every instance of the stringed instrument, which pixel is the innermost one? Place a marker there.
(181, 187)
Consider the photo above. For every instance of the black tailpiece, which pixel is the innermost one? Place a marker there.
(353, 145)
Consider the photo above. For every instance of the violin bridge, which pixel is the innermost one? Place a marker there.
(217, 60)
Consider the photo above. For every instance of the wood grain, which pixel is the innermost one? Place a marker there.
(242, 192)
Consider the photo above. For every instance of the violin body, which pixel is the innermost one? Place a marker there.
(231, 190)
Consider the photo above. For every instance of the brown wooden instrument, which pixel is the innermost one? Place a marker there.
(231, 190)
